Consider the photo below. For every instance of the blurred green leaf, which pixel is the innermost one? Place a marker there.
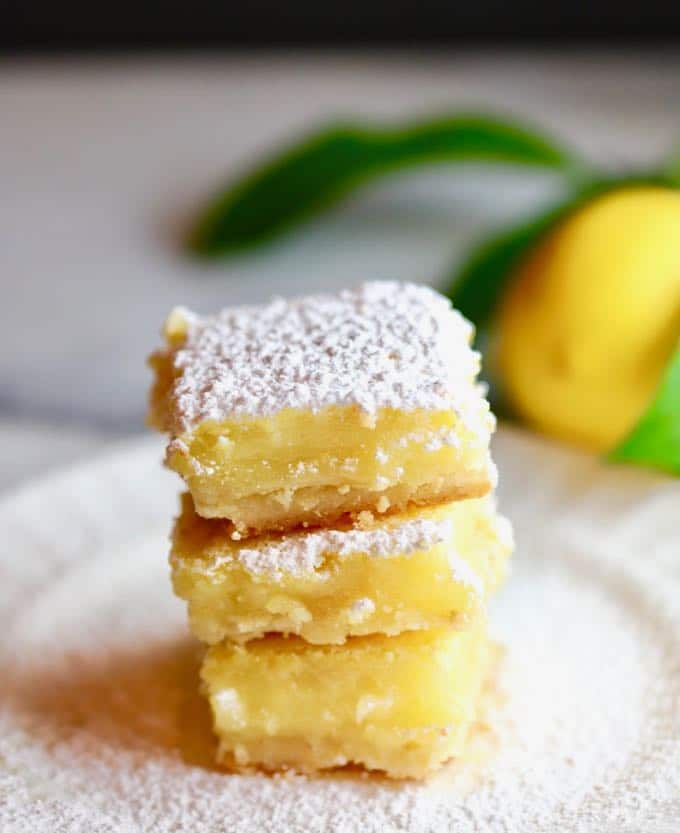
(477, 287)
(655, 440)
(672, 168)
(319, 170)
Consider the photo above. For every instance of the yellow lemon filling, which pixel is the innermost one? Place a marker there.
(301, 467)
(401, 704)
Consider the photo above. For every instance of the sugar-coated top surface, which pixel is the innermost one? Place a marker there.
(381, 345)
(301, 553)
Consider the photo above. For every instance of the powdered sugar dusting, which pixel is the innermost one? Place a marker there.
(102, 729)
(461, 571)
(301, 553)
(360, 610)
(382, 345)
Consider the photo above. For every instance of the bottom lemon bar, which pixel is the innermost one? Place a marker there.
(400, 704)
(421, 569)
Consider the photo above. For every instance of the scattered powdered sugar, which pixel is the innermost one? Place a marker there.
(462, 572)
(445, 436)
(442, 439)
(230, 702)
(360, 610)
(102, 729)
(302, 552)
(381, 345)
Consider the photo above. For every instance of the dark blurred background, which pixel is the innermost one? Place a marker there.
(41, 24)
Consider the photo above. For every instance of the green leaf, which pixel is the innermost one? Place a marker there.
(672, 168)
(655, 440)
(318, 171)
(477, 286)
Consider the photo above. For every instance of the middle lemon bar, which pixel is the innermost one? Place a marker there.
(424, 568)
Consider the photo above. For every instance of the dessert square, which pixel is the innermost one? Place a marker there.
(427, 567)
(301, 411)
(400, 704)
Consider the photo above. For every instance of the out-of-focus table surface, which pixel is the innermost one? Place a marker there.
(103, 160)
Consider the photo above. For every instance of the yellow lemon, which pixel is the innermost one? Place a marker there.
(590, 320)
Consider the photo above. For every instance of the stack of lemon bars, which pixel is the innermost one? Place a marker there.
(339, 537)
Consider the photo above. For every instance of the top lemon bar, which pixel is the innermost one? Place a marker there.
(298, 412)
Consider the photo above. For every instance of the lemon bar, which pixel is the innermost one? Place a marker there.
(427, 567)
(301, 411)
(402, 704)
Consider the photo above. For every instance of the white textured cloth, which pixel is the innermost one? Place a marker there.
(30, 449)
